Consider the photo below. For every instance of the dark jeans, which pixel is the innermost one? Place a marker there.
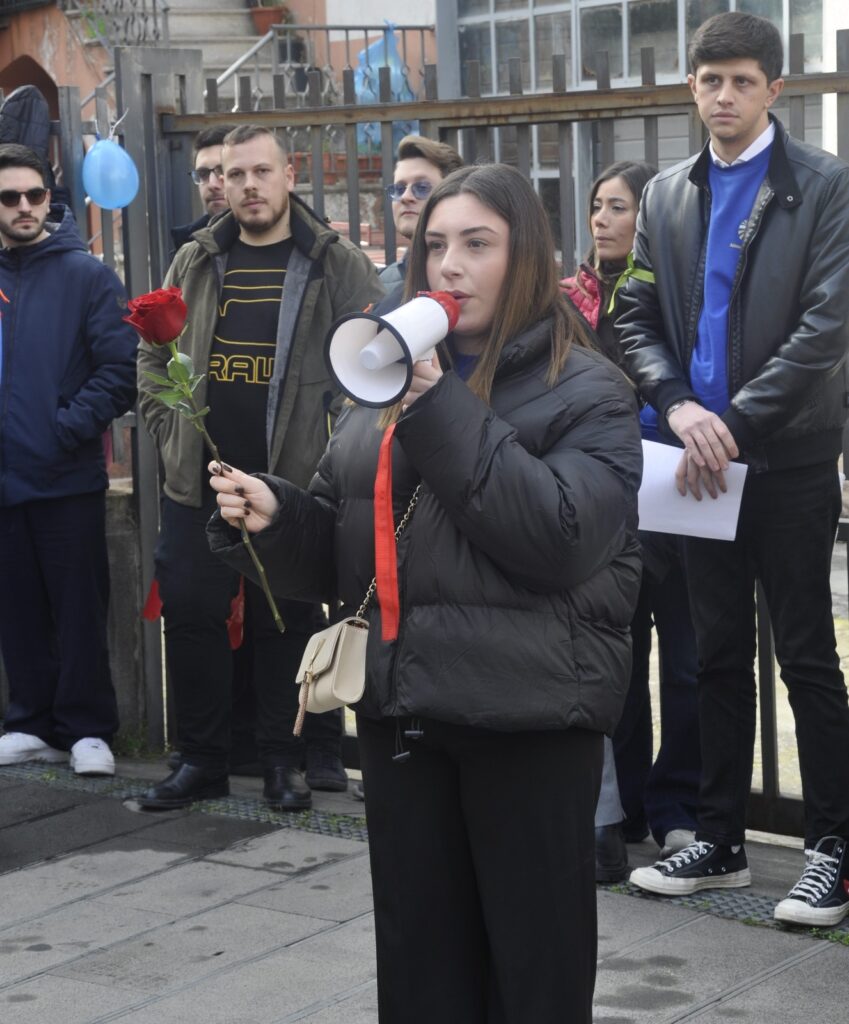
(483, 866)
(53, 605)
(662, 796)
(196, 589)
(785, 538)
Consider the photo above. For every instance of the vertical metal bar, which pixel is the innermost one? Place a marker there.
(650, 125)
(473, 91)
(766, 692)
(107, 230)
(210, 103)
(316, 141)
(796, 66)
(523, 131)
(565, 157)
(278, 86)
(390, 242)
(243, 94)
(352, 160)
(843, 98)
(696, 130)
(605, 125)
(71, 149)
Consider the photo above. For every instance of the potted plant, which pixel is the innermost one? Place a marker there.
(266, 13)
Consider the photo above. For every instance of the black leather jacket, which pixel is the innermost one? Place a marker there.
(788, 329)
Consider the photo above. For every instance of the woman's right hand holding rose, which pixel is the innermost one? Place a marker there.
(242, 497)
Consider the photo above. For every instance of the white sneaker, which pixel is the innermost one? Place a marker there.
(92, 757)
(676, 840)
(19, 747)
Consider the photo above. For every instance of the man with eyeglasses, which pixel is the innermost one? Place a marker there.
(209, 178)
(419, 168)
(263, 283)
(67, 369)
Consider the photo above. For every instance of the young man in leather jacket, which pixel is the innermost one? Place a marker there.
(739, 344)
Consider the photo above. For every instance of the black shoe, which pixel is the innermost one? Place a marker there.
(325, 771)
(698, 866)
(174, 760)
(821, 896)
(611, 854)
(186, 784)
(285, 789)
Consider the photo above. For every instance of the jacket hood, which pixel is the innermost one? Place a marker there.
(63, 236)
(310, 233)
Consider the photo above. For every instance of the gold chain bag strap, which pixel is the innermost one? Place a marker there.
(333, 668)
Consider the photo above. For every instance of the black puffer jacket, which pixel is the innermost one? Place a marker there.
(789, 313)
(519, 571)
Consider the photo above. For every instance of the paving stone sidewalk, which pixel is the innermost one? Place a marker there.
(231, 914)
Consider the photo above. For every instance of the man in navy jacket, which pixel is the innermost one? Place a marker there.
(67, 369)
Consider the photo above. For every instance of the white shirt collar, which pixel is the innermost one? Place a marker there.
(758, 146)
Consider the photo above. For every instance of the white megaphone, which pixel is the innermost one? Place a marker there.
(371, 357)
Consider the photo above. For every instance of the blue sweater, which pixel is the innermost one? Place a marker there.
(68, 366)
(733, 191)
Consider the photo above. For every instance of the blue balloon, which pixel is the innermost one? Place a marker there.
(109, 175)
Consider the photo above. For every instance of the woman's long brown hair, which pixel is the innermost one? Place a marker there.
(531, 290)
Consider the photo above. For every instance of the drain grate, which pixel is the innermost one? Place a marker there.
(734, 904)
(340, 826)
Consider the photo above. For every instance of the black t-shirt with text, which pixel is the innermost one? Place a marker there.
(242, 358)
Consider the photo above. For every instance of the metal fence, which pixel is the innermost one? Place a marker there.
(165, 94)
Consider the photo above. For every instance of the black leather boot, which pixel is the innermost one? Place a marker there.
(285, 789)
(187, 783)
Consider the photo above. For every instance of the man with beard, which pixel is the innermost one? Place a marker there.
(208, 175)
(263, 283)
(67, 369)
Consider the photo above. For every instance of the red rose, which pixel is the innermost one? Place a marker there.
(159, 316)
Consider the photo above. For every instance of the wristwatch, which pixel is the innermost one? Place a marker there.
(676, 406)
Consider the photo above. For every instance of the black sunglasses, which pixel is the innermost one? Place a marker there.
(200, 176)
(11, 197)
(420, 189)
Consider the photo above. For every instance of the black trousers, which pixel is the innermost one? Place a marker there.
(483, 867)
(785, 538)
(196, 589)
(664, 794)
(54, 598)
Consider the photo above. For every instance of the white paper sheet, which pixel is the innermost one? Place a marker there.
(664, 510)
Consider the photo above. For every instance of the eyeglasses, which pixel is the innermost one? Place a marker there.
(11, 197)
(201, 175)
(420, 190)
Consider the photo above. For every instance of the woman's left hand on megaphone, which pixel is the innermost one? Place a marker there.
(425, 375)
(242, 497)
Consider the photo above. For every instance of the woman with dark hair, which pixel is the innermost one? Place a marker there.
(481, 725)
(662, 797)
(613, 204)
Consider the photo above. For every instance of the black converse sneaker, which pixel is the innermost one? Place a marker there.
(698, 866)
(821, 896)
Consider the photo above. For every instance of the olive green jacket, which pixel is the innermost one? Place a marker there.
(327, 277)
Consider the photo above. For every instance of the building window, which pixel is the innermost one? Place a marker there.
(553, 36)
(654, 23)
(466, 7)
(806, 19)
(601, 29)
(511, 41)
(475, 45)
(700, 10)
